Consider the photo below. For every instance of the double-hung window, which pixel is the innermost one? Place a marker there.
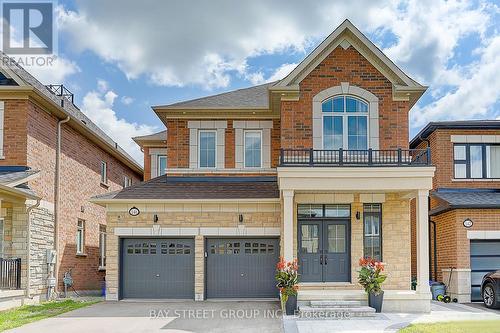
(253, 149)
(345, 123)
(80, 237)
(104, 172)
(127, 181)
(102, 246)
(476, 161)
(207, 148)
(372, 221)
(162, 165)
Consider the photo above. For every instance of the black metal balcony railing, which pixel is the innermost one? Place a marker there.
(369, 157)
(10, 273)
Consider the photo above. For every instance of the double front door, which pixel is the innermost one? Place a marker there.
(324, 250)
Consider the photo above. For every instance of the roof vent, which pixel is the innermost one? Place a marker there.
(61, 90)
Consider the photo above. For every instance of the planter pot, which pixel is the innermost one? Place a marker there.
(291, 305)
(375, 301)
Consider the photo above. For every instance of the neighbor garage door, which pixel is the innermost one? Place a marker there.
(484, 258)
(157, 268)
(241, 267)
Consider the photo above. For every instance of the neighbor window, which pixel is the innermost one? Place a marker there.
(102, 246)
(127, 181)
(104, 172)
(207, 149)
(162, 165)
(476, 161)
(372, 221)
(253, 149)
(80, 237)
(345, 123)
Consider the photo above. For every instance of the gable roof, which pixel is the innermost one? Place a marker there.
(14, 181)
(159, 137)
(346, 35)
(457, 124)
(256, 97)
(27, 83)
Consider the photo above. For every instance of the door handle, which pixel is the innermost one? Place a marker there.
(326, 260)
(321, 259)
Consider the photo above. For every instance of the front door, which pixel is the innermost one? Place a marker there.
(324, 250)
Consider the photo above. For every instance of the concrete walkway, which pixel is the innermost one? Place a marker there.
(392, 322)
(166, 317)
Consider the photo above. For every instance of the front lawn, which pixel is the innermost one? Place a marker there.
(29, 313)
(482, 326)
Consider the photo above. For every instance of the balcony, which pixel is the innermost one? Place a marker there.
(10, 273)
(355, 158)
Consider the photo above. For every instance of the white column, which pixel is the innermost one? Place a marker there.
(422, 215)
(288, 225)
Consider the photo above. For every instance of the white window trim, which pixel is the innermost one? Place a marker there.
(80, 248)
(345, 116)
(346, 89)
(102, 250)
(244, 148)
(158, 171)
(104, 172)
(199, 148)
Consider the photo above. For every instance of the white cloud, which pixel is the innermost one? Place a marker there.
(127, 100)
(98, 106)
(281, 72)
(56, 72)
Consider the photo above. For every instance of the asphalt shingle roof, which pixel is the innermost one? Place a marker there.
(466, 198)
(191, 187)
(252, 97)
(152, 137)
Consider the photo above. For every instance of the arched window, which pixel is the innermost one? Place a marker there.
(345, 123)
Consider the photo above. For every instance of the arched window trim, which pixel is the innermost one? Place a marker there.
(345, 115)
(346, 89)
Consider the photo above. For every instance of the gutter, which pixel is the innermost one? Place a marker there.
(28, 253)
(56, 195)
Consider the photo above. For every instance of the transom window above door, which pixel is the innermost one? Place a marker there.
(345, 123)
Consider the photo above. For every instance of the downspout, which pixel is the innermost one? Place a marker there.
(434, 252)
(56, 199)
(28, 252)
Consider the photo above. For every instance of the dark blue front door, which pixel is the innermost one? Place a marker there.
(324, 250)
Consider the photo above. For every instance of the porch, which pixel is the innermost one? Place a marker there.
(333, 216)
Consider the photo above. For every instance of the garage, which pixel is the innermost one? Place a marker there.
(157, 268)
(241, 267)
(484, 258)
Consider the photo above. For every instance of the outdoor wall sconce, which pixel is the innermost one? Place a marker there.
(155, 218)
(358, 216)
(240, 218)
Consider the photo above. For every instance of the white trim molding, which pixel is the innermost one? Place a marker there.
(483, 234)
(200, 231)
(346, 89)
(194, 127)
(153, 155)
(239, 132)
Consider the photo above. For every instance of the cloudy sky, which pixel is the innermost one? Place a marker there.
(119, 58)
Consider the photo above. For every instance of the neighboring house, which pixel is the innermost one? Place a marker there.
(466, 187)
(154, 147)
(44, 188)
(315, 167)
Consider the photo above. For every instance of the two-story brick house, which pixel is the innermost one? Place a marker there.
(52, 160)
(464, 215)
(315, 166)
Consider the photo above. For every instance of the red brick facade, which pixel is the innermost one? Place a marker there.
(30, 138)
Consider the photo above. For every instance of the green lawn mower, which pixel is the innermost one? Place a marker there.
(442, 293)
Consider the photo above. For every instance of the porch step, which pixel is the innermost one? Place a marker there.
(336, 304)
(336, 312)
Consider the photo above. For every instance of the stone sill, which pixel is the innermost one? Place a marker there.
(101, 269)
(105, 185)
(468, 180)
(82, 255)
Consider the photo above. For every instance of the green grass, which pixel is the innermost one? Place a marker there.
(30, 313)
(476, 326)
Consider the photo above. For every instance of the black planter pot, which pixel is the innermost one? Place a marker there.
(291, 305)
(375, 301)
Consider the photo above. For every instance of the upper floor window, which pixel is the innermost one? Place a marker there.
(207, 149)
(104, 172)
(253, 149)
(162, 165)
(345, 123)
(475, 161)
(127, 181)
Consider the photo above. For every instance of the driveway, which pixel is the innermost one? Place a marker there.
(166, 317)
